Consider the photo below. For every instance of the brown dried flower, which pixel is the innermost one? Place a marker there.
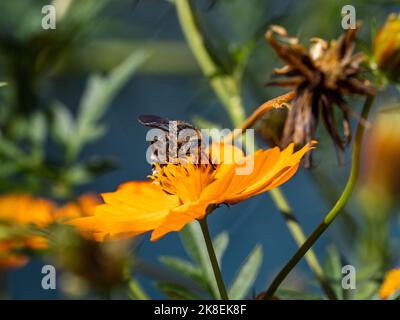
(321, 77)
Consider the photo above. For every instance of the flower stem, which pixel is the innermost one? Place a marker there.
(259, 113)
(227, 90)
(213, 259)
(324, 224)
(299, 236)
(224, 86)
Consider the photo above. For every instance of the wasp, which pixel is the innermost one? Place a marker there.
(178, 135)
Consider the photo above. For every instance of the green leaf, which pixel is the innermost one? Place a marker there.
(220, 244)
(9, 149)
(99, 93)
(246, 275)
(193, 241)
(77, 175)
(182, 267)
(38, 128)
(63, 125)
(333, 270)
(177, 292)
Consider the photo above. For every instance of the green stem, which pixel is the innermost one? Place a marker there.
(351, 182)
(224, 85)
(300, 237)
(228, 91)
(136, 290)
(213, 259)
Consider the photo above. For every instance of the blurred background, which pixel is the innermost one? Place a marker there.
(68, 126)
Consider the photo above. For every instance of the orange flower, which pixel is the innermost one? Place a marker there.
(386, 48)
(8, 258)
(381, 157)
(23, 210)
(12, 260)
(84, 206)
(391, 284)
(181, 193)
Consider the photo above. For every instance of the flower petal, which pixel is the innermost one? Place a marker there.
(271, 169)
(135, 208)
(177, 218)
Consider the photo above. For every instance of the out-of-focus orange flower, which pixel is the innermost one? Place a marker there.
(8, 258)
(390, 284)
(381, 154)
(84, 206)
(22, 211)
(25, 209)
(12, 260)
(181, 193)
(386, 48)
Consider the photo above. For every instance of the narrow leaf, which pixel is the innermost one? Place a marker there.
(246, 275)
(220, 243)
(182, 267)
(38, 128)
(63, 124)
(193, 241)
(333, 270)
(99, 93)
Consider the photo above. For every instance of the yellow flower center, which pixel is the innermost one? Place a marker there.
(184, 180)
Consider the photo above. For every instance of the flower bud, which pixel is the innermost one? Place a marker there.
(381, 157)
(386, 48)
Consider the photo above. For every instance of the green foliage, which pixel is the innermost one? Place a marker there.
(246, 275)
(220, 243)
(183, 267)
(333, 271)
(193, 241)
(200, 272)
(100, 91)
(33, 122)
(23, 153)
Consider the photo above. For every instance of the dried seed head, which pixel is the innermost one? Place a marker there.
(321, 77)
